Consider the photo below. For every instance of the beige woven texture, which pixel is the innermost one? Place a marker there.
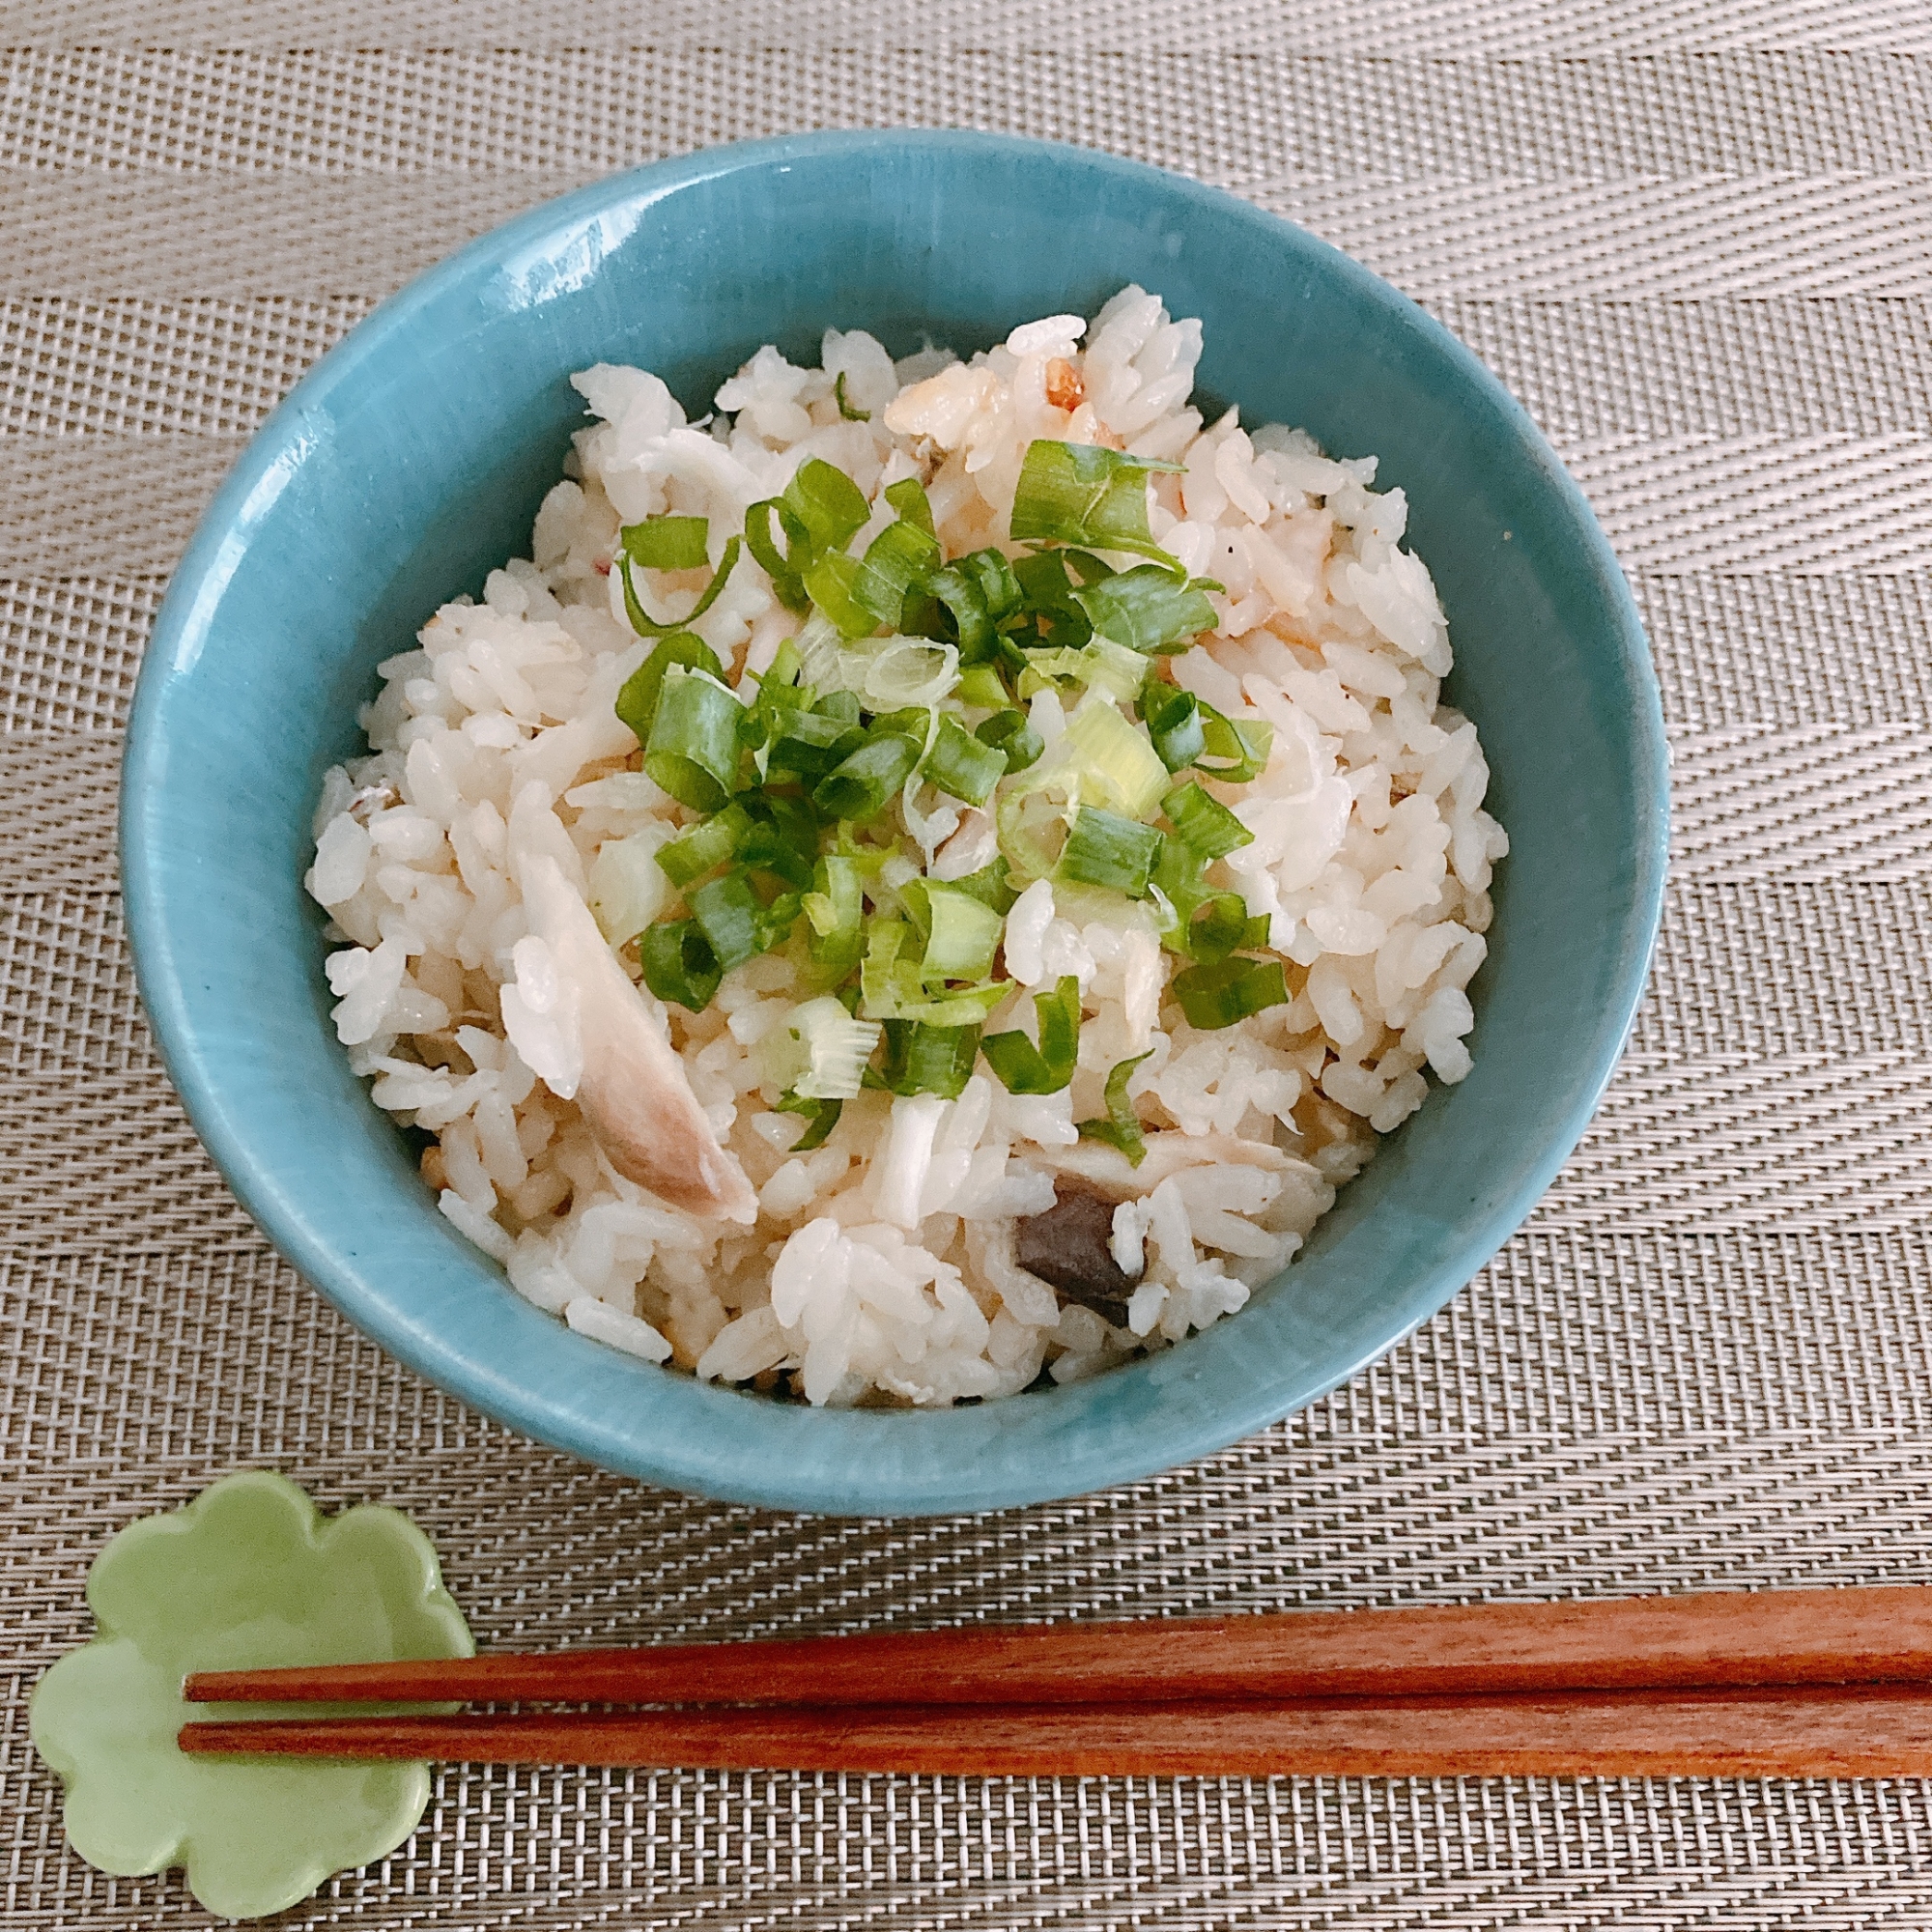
(1695, 237)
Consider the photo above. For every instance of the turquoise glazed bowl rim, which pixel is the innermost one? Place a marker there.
(229, 962)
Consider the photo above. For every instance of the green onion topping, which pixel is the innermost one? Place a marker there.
(1026, 1068)
(845, 409)
(823, 1115)
(1206, 825)
(924, 1059)
(652, 539)
(1105, 849)
(637, 701)
(874, 700)
(1146, 608)
(1122, 1128)
(679, 965)
(1232, 989)
(1236, 748)
(866, 782)
(962, 765)
(1072, 493)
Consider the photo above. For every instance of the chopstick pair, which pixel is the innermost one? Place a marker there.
(1815, 1682)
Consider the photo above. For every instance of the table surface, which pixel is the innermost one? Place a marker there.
(1695, 237)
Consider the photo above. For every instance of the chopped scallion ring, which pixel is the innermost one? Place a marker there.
(1205, 824)
(866, 782)
(641, 620)
(962, 765)
(637, 702)
(1122, 1128)
(1105, 849)
(925, 1059)
(965, 934)
(679, 965)
(822, 1113)
(693, 749)
(845, 409)
(1026, 1068)
(1072, 493)
(909, 499)
(1232, 989)
(1236, 748)
(1146, 608)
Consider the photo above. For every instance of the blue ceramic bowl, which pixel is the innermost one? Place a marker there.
(411, 461)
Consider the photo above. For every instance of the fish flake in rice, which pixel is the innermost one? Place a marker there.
(501, 839)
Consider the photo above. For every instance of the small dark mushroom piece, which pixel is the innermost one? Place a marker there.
(1067, 1247)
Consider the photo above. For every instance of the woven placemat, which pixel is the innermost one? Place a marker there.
(1695, 237)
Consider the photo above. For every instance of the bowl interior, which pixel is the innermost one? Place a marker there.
(411, 461)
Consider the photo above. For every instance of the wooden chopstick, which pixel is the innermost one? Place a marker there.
(1868, 1732)
(1725, 1639)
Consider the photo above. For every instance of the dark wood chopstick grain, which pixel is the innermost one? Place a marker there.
(1871, 1732)
(1709, 1639)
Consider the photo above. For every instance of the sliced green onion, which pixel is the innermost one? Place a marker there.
(961, 766)
(647, 626)
(981, 685)
(1122, 1128)
(1205, 823)
(988, 885)
(897, 559)
(912, 671)
(827, 502)
(781, 839)
(1228, 990)
(1101, 664)
(1236, 748)
(1173, 717)
(859, 594)
(979, 591)
(1032, 830)
(878, 992)
(822, 1113)
(926, 1058)
(731, 916)
(693, 750)
(965, 934)
(637, 702)
(1146, 608)
(704, 847)
(1026, 1068)
(832, 584)
(835, 909)
(783, 567)
(808, 743)
(956, 1007)
(1009, 731)
(866, 782)
(838, 1046)
(845, 409)
(679, 965)
(890, 988)
(668, 543)
(1223, 927)
(1075, 492)
(1049, 595)
(1105, 849)
(1109, 760)
(909, 499)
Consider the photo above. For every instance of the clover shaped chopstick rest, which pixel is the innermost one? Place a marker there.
(249, 1574)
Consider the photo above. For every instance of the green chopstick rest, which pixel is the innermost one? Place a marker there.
(248, 1575)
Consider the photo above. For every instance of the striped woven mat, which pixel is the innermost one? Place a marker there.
(1695, 237)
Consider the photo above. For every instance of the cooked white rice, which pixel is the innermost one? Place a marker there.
(880, 1267)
